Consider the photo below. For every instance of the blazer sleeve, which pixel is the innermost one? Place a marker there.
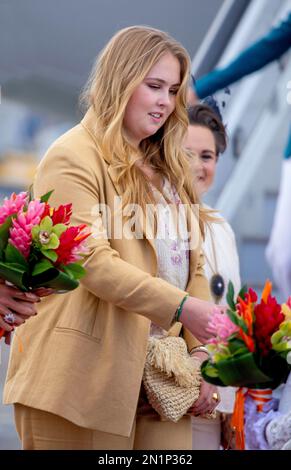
(198, 288)
(107, 275)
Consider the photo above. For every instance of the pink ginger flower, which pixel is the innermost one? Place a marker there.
(13, 205)
(221, 327)
(20, 233)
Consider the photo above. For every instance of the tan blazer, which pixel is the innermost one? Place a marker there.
(84, 353)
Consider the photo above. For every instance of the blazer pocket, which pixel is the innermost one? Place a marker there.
(83, 315)
(76, 333)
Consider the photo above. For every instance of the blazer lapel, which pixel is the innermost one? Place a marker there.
(194, 239)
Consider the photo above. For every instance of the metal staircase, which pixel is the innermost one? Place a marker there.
(257, 119)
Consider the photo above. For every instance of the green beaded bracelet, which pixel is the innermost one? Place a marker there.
(180, 308)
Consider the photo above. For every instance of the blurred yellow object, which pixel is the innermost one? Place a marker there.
(286, 311)
(17, 169)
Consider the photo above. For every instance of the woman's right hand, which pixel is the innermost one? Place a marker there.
(196, 314)
(20, 305)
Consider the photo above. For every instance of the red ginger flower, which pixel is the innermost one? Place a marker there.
(71, 244)
(268, 317)
(47, 210)
(61, 215)
(252, 295)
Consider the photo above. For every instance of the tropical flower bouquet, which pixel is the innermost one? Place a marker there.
(250, 350)
(38, 248)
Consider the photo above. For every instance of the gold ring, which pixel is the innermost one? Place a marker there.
(215, 396)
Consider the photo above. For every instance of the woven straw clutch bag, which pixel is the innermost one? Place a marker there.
(171, 378)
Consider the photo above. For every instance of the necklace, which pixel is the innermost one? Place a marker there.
(216, 283)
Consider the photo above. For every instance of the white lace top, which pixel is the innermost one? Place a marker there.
(171, 242)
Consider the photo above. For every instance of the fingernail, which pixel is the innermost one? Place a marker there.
(31, 296)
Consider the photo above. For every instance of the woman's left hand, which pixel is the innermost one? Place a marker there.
(209, 397)
(207, 401)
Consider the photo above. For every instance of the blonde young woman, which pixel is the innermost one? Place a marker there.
(205, 141)
(77, 385)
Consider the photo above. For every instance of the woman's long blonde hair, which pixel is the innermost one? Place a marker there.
(119, 69)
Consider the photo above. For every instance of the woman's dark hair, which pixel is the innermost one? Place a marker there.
(202, 115)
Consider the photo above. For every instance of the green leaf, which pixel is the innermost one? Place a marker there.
(4, 234)
(50, 254)
(230, 295)
(41, 267)
(12, 255)
(243, 291)
(210, 373)
(240, 371)
(236, 345)
(46, 196)
(74, 270)
(35, 255)
(211, 370)
(14, 274)
(237, 320)
(30, 193)
(54, 279)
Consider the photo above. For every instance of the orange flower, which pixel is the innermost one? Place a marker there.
(245, 309)
(267, 291)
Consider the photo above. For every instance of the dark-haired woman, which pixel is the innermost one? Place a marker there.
(205, 141)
